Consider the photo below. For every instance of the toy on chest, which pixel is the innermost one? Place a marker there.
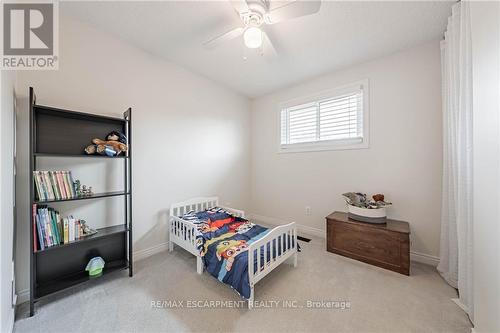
(114, 145)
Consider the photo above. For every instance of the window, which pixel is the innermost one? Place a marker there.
(335, 119)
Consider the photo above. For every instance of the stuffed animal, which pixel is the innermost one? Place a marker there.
(113, 145)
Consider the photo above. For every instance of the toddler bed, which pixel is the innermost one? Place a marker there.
(231, 248)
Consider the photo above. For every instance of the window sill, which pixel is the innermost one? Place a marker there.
(323, 146)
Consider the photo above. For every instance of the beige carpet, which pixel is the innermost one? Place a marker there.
(380, 300)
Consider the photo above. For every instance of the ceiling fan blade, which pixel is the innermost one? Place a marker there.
(214, 42)
(292, 10)
(240, 6)
(268, 49)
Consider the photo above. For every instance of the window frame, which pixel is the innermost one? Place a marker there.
(338, 144)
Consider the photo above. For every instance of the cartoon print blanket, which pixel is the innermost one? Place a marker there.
(223, 244)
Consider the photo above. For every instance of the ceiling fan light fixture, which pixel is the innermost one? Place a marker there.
(252, 37)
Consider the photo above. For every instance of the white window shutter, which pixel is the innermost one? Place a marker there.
(341, 117)
(334, 118)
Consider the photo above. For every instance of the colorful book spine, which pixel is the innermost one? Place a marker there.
(71, 229)
(35, 240)
(60, 229)
(54, 185)
(60, 185)
(72, 184)
(53, 181)
(66, 230)
(50, 229)
(50, 192)
(38, 186)
(67, 184)
(41, 238)
(54, 226)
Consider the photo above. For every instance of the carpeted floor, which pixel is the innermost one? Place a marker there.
(375, 300)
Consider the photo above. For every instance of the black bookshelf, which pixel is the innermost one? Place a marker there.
(60, 133)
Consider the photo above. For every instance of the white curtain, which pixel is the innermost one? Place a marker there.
(456, 221)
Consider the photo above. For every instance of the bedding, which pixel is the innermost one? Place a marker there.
(223, 243)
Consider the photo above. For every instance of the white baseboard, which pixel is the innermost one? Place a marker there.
(414, 256)
(301, 228)
(142, 254)
(24, 295)
(424, 258)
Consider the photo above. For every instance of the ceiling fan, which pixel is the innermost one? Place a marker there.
(256, 14)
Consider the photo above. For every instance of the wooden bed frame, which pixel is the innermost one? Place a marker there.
(184, 233)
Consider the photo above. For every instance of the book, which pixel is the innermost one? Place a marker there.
(72, 184)
(53, 181)
(66, 230)
(43, 232)
(35, 241)
(60, 188)
(50, 192)
(67, 184)
(71, 228)
(54, 226)
(38, 185)
(48, 229)
(41, 238)
(60, 229)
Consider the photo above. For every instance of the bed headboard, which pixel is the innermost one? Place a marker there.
(195, 204)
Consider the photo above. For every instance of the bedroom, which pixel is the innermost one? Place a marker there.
(218, 120)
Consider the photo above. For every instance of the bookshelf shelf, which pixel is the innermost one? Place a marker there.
(79, 156)
(101, 232)
(60, 133)
(66, 282)
(93, 196)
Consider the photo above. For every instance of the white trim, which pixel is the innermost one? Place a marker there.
(460, 304)
(341, 144)
(302, 228)
(23, 296)
(321, 233)
(142, 254)
(424, 258)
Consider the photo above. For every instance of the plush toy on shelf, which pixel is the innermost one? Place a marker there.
(114, 145)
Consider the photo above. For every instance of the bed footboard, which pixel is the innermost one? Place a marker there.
(269, 252)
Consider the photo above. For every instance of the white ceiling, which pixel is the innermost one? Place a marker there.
(341, 34)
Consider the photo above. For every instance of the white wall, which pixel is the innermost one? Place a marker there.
(6, 198)
(191, 136)
(404, 160)
(485, 25)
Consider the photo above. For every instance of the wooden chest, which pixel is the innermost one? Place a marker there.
(383, 245)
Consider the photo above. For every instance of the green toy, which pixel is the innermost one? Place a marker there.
(95, 266)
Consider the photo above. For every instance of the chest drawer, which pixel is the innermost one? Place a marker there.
(386, 245)
(370, 243)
